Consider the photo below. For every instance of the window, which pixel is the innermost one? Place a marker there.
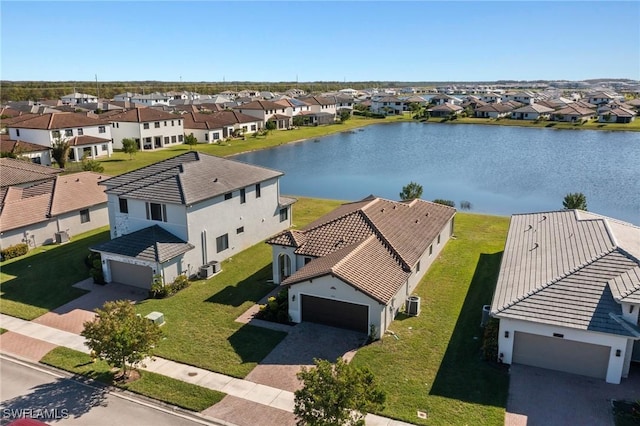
(157, 212)
(179, 122)
(258, 190)
(216, 136)
(173, 123)
(438, 239)
(166, 140)
(180, 138)
(240, 230)
(124, 205)
(145, 126)
(80, 132)
(243, 196)
(418, 267)
(84, 216)
(165, 124)
(173, 139)
(284, 214)
(17, 132)
(68, 132)
(430, 250)
(222, 242)
(228, 196)
(206, 136)
(102, 129)
(156, 124)
(56, 133)
(105, 147)
(253, 127)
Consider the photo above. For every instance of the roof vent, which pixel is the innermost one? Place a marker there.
(530, 227)
(215, 180)
(417, 220)
(543, 218)
(382, 210)
(78, 180)
(535, 246)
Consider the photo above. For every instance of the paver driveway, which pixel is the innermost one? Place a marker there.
(304, 342)
(71, 316)
(546, 397)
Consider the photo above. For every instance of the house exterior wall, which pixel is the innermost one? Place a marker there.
(45, 137)
(71, 223)
(136, 218)
(618, 365)
(134, 130)
(335, 289)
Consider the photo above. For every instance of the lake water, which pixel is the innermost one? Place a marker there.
(498, 169)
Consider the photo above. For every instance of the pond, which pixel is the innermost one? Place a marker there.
(498, 169)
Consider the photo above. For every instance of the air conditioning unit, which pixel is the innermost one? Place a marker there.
(412, 306)
(205, 271)
(156, 317)
(62, 237)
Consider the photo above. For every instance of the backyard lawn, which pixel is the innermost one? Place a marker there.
(435, 366)
(42, 280)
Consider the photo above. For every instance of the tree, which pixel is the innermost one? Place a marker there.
(345, 114)
(129, 146)
(60, 151)
(190, 140)
(575, 201)
(336, 394)
(119, 336)
(411, 191)
(89, 165)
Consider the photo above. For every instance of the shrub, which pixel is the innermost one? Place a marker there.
(445, 202)
(94, 263)
(276, 309)
(490, 340)
(14, 251)
(159, 290)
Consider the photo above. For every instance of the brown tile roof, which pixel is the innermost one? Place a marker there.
(187, 178)
(575, 110)
(446, 108)
(216, 120)
(260, 105)
(19, 172)
(87, 140)
(17, 119)
(59, 120)
(143, 115)
(320, 100)
(568, 268)
(17, 147)
(27, 206)
(10, 112)
(395, 233)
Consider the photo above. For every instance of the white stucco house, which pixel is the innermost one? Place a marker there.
(355, 267)
(51, 210)
(280, 114)
(87, 134)
(76, 98)
(531, 112)
(150, 128)
(37, 154)
(174, 216)
(387, 105)
(568, 294)
(217, 126)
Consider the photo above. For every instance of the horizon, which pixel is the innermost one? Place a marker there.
(317, 41)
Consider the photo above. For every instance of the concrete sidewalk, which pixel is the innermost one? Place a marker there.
(244, 389)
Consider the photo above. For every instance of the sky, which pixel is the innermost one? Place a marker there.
(319, 40)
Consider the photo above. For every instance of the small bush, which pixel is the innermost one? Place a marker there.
(159, 290)
(445, 202)
(94, 263)
(490, 340)
(14, 251)
(276, 309)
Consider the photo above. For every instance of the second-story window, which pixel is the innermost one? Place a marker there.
(68, 132)
(124, 205)
(101, 129)
(157, 212)
(156, 124)
(243, 196)
(55, 133)
(145, 125)
(17, 132)
(80, 132)
(258, 190)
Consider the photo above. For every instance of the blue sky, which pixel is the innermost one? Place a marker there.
(319, 40)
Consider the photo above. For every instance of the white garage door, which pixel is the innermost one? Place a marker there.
(560, 354)
(134, 275)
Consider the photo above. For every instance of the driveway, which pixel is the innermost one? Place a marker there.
(304, 342)
(545, 397)
(71, 316)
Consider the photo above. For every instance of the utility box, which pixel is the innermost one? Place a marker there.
(413, 306)
(62, 237)
(156, 318)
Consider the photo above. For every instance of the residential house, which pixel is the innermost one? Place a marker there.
(348, 92)
(124, 97)
(52, 210)
(599, 98)
(525, 97)
(568, 294)
(443, 98)
(268, 111)
(491, 97)
(355, 267)
(174, 216)
(76, 98)
(20, 173)
(445, 110)
(344, 102)
(88, 134)
(616, 115)
(150, 128)
(151, 99)
(494, 110)
(531, 112)
(573, 113)
(217, 126)
(387, 105)
(37, 154)
(324, 106)
(297, 106)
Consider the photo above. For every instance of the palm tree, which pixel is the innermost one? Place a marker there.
(411, 191)
(575, 201)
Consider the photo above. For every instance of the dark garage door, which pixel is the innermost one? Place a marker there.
(560, 354)
(335, 313)
(134, 275)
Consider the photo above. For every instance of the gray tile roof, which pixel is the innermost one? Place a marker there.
(19, 172)
(151, 244)
(371, 244)
(187, 179)
(567, 268)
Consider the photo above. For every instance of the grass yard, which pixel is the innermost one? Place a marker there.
(41, 280)
(434, 366)
(634, 126)
(162, 388)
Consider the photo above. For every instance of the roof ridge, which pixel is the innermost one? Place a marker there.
(53, 194)
(385, 241)
(624, 324)
(556, 279)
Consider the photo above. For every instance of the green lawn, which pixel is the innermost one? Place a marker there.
(162, 388)
(634, 126)
(435, 366)
(42, 280)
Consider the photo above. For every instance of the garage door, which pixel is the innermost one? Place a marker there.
(134, 275)
(560, 354)
(335, 313)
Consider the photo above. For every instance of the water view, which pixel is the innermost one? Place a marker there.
(498, 169)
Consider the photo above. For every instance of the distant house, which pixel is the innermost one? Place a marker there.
(491, 98)
(217, 126)
(355, 267)
(524, 97)
(568, 294)
(387, 105)
(53, 210)
(35, 153)
(78, 98)
(321, 104)
(23, 174)
(531, 112)
(600, 98)
(268, 111)
(573, 113)
(172, 217)
(150, 128)
(297, 106)
(445, 110)
(151, 99)
(494, 110)
(443, 98)
(616, 115)
(88, 134)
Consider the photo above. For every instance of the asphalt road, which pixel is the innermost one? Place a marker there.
(35, 392)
